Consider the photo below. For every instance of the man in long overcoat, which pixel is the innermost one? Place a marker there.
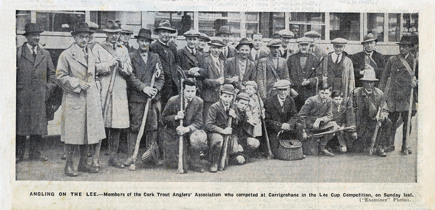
(82, 119)
(35, 83)
(399, 77)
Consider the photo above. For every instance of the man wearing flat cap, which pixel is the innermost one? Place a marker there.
(225, 34)
(284, 50)
(113, 68)
(337, 69)
(240, 68)
(303, 72)
(271, 69)
(35, 84)
(368, 57)
(167, 52)
(314, 46)
(189, 58)
(202, 45)
(145, 66)
(281, 114)
(399, 77)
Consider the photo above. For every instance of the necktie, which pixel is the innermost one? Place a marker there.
(336, 61)
(86, 54)
(114, 46)
(34, 51)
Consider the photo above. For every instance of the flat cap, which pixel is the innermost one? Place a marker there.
(216, 42)
(191, 33)
(274, 43)
(305, 40)
(204, 37)
(282, 84)
(286, 33)
(251, 83)
(243, 96)
(228, 89)
(339, 41)
(312, 34)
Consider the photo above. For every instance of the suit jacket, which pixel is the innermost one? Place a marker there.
(358, 60)
(268, 73)
(277, 115)
(314, 108)
(186, 60)
(347, 80)
(192, 113)
(211, 73)
(232, 52)
(217, 118)
(142, 75)
(298, 73)
(35, 83)
(231, 69)
(345, 115)
(399, 89)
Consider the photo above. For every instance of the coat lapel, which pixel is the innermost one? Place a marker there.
(222, 110)
(193, 61)
(77, 54)
(27, 54)
(38, 57)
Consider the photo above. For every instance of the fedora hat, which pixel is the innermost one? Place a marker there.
(113, 26)
(368, 38)
(144, 33)
(406, 40)
(369, 75)
(81, 27)
(244, 41)
(223, 30)
(216, 42)
(31, 28)
(165, 25)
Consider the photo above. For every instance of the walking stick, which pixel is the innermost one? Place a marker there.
(224, 159)
(408, 126)
(142, 125)
(266, 135)
(375, 133)
(180, 169)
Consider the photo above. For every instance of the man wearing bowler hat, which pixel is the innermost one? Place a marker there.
(145, 65)
(168, 56)
(371, 110)
(399, 77)
(368, 57)
(35, 84)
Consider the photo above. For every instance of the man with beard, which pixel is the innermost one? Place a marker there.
(303, 73)
(114, 66)
(35, 83)
(145, 64)
(195, 139)
(240, 69)
(228, 51)
(167, 52)
(314, 46)
(368, 57)
(271, 69)
(402, 73)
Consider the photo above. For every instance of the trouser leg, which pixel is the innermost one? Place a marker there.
(114, 143)
(131, 143)
(35, 146)
(394, 116)
(216, 142)
(20, 147)
(69, 166)
(405, 131)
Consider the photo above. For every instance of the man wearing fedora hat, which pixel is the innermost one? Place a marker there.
(368, 57)
(225, 34)
(114, 67)
(303, 73)
(240, 68)
(399, 77)
(370, 110)
(35, 84)
(82, 119)
(125, 37)
(271, 69)
(314, 46)
(167, 52)
(145, 64)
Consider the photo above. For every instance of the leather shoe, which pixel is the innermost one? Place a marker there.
(69, 170)
(38, 158)
(214, 168)
(382, 153)
(390, 148)
(116, 163)
(128, 162)
(87, 168)
(327, 153)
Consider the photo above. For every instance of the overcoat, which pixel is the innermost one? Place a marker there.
(211, 73)
(377, 61)
(268, 73)
(82, 117)
(314, 108)
(400, 86)
(232, 68)
(116, 109)
(35, 83)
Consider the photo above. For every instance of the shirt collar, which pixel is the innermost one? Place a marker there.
(31, 47)
(166, 44)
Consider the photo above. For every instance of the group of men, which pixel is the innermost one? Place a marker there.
(219, 99)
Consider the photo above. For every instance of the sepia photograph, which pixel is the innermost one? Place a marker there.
(217, 96)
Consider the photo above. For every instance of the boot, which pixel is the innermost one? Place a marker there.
(69, 166)
(214, 159)
(83, 163)
(381, 152)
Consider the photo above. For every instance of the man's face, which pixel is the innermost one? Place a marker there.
(404, 49)
(257, 40)
(225, 38)
(215, 51)
(112, 37)
(124, 38)
(283, 92)
(303, 47)
(338, 99)
(201, 44)
(144, 44)
(244, 51)
(338, 48)
(33, 38)
(189, 92)
(164, 35)
(250, 90)
(369, 46)
(226, 99)
(274, 51)
(285, 41)
(191, 42)
(242, 104)
(81, 39)
(324, 94)
(368, 86)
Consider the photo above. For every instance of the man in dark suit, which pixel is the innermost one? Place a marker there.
(367, 57)
(225, 34)
(191, 114)
(240, 68)
(281, 114)
(35, 83)
(303, 72)
(167, 53)
(145, 64)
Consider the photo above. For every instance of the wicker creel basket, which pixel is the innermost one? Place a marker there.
(289, 149)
